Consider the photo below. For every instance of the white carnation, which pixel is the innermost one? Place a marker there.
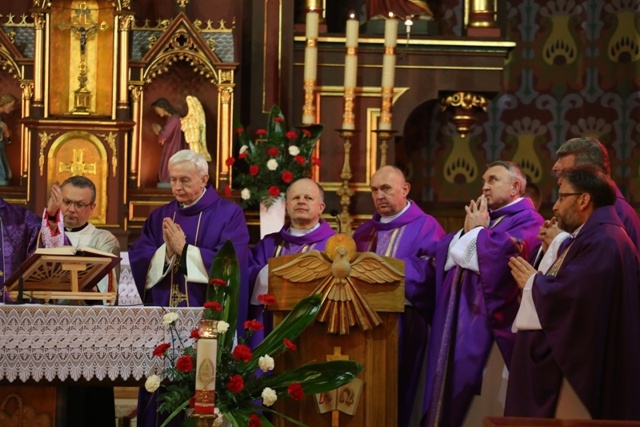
(152, 383)
(272, 164)
(269, 396)
(169, 318)
(243, 149)
(266, 363)
(294, 150)
(245, 194)
(222, 326)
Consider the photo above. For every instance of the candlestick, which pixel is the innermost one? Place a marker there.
(350, 71)
(310, 65)
(388, 71)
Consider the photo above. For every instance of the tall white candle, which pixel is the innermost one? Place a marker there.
(310, 65)
(206, 367)
(350, 71)
(388, 70)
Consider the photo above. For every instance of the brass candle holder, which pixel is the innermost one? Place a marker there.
(344, 191)
(384, 136)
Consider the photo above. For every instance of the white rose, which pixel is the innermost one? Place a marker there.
(169, 318)
(269, 396)
(222, 326)
(245, 194)
(272, 164)
(243, 149)
(294, 150)
(152, 383)
(266, 363)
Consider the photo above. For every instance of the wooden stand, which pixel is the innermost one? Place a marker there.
(376, 349)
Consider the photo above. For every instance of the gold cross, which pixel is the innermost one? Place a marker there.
(77, 166)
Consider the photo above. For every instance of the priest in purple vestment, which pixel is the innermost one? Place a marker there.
(579, 322)
(169, 136)
(171, 259)
(306, 231)
(476, 297)
(400, 229)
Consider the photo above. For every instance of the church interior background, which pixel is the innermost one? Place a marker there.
(471, 86)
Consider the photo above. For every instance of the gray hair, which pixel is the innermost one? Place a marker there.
(320, 189)
(197, 160)
(81, 182)
(588, 152)
(515, 173)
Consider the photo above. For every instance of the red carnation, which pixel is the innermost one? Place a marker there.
(278, 119)
(254, 421)
(159, 350)
(214, 305)
(307, 133)
(253, 170)
(261, 132)
(239, 130)
(287, 177)
(300, 160)
(227, 190)
(253, 325)
(195, 334)
(291, 346)
(315, 161)
(230, 161)
(266, 299)
(295, 391)
(291, 135)
(235, 384)
(273, 151)
(217, 282)
(274, 191)
(184, 364)
(242, 352)
(243, 155)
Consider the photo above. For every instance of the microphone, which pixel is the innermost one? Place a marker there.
(334, 213)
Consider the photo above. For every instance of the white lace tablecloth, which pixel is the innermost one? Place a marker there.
(43, 342)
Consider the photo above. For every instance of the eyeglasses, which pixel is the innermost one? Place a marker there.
(561, 196)
(79, 205)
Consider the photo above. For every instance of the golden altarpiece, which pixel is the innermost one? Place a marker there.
(86, 75)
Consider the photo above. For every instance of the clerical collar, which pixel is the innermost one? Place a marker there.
(386, 219)
(298, 232)
(577, 230)
(182, 205)
(74, 230)
(506, 206)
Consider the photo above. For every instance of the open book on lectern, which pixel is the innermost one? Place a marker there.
(62, 269)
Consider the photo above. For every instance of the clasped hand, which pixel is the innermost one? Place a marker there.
(548, 231)
(477, 214)
(174, 237)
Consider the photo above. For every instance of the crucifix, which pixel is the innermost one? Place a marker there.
(78, 166)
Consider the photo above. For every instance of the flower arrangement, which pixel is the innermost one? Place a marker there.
(244, 378)
(265, 167)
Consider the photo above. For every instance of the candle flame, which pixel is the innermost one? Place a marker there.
(352, 16)
(391, 15)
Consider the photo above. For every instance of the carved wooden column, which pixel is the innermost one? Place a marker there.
(124, 22)
(225, 132)
(136, 134)
(39, 53)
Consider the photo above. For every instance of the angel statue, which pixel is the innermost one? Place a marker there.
(194, 126)
(339, 268)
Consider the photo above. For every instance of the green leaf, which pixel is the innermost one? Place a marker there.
(317, 377)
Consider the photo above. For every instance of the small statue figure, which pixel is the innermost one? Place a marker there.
(169, 136)
(7, 105)
(194, 126)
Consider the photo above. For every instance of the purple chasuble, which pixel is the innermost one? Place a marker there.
(274, 245)
(411, 237)
(629, 218)
(590, 318)
(484, 310)
(173, 138)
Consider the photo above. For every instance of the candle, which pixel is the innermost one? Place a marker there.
(206, 367)
(388, 71)
(350, 71)
(310, 65)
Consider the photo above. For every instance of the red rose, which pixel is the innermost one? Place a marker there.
(159, 350)
(239, 131)
(214, 305)
(274, 191)
(242, 352)
(254, 421)
(273, 151)
(291, 135)
(243, 155)
(217, 282)
(295, 391)
(184, 364)
(291, 346)
(300, 160)
(230, 161)
(315, 161)
(307, 133)
(253, 170)
(195, 334)
(253, 325)
(227, 190)
(235, 384)
(266, 299)
(261, 132)
(287, 177)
